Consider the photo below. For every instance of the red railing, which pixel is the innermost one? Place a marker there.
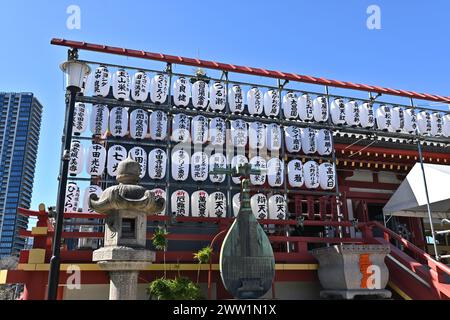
(435, 275)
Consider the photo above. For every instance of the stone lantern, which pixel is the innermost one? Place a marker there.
(126, 206)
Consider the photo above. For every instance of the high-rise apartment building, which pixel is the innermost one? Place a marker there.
(20, 122)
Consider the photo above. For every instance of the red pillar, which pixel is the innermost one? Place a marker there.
(35, 286)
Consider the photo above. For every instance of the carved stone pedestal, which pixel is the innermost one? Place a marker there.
(123, 265)
(347, 271)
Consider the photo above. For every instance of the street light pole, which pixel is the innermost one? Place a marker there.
(75, 72)
(422, 167)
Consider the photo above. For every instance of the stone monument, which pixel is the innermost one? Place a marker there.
(247, 263)
(350, 270)
(126, 206)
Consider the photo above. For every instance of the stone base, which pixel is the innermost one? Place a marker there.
(123, 265)
(349, 267)
(351, 294)
(123, 254)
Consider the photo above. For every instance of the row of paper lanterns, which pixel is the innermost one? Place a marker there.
(202, 204)
(201, 130)
(202, 96)
(303, 107)
(198, 204)
(388, 118)
(199, 165)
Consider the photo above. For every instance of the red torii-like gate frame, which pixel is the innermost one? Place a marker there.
(246, 70)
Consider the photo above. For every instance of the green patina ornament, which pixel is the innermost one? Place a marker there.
(247, 263)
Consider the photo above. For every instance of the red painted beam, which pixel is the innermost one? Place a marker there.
(356, 148)
(245, 70)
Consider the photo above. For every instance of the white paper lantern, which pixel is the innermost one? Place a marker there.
(305, 107)
(217, 160)
(324, 142)
(217, 131)
(236, 204)
(140, 86)
(320, 109)
(436, 124)
(157, 164)
(181, 92)
(200, 94)
(446, 125)
(199, 129)
(290, 106)
(236, 99)
(384, 118)
(140, 156)
(275, 172)
(160, 193)
(366, 115)
(116, 154)
(217, 205)
(255, 101)
(199, 203)
(180, 203)
(277, 207)
(159, 88)
(158, 125)
(271, 103)
(258, 203)
(235, 162)
(180, 165)
(410, 121)
(311, 174)
(99, 119)
(76, 158)
(199, 166)
(257, 135)
(352, 113)
(309, 140)
(398, 119)
(121, 85)
(102, 81)
(181, 125)
(72, 197)
(337, 111)
(261, 164)
(96, 160)
(92, 189)
(295, 173)
(273, 137)
(424, 122)
(293, 139)
(138, 124)
(327, 176)
(80, 118)
(118, 121)
(239, 133)
(217, 96)
(87, 84)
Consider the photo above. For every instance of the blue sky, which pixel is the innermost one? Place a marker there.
(320, 38)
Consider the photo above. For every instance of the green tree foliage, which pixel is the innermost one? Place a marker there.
(202, 256)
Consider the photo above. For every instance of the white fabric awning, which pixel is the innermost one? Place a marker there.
(410, 200)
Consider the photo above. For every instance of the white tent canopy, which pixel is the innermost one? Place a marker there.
(410, 199)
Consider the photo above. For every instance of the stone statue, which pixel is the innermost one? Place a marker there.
(126, 206)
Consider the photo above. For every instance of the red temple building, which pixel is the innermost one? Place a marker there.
(377, 197)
